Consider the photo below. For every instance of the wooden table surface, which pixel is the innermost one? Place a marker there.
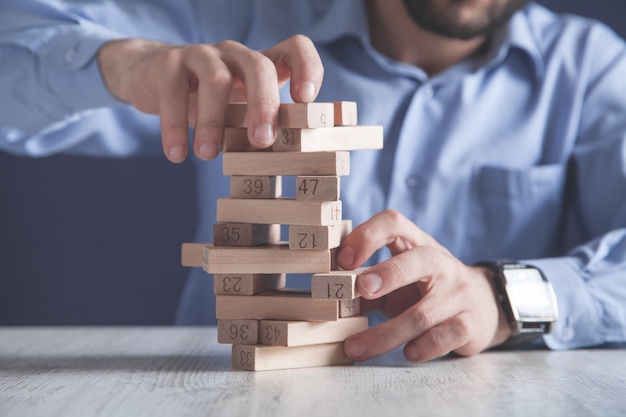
(147, 371)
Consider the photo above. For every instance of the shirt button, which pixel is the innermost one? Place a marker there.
(428, 91)
(412, 182)
(70, 54)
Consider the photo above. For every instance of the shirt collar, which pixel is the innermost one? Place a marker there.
(517, 35)
(349, 18)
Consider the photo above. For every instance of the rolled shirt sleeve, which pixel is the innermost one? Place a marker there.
(50, 79)
(50, 72)
(590, 294)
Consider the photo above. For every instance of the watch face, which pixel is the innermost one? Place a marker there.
(530, 296)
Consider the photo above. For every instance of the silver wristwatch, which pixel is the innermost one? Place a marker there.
(526, 298)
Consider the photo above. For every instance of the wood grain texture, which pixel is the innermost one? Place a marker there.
(282, 163)
(347, 138)
(245, 234)
(192, 254)
(300, 333)
(247, 284)
(266, 358)
(349, 308)
(281, 211)
(306, 115)
(183, 371)
(250, 186)
(242, 332)
(318, 237)
(273, 259)
(235, 139)
(346, 113)
(283, 305)
(343, 138)
(335, 285)
(317, 188)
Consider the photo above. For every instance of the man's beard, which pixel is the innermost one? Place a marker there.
(444, 18)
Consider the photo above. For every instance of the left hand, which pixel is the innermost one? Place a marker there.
(436, 304)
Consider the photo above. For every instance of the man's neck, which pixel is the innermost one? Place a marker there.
(396, 35)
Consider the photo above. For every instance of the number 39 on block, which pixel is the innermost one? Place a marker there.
(251, 186)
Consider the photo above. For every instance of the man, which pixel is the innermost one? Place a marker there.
(505, 138)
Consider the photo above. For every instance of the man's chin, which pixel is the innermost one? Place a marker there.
(458, 20)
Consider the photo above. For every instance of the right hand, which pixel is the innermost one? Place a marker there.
(191, 86)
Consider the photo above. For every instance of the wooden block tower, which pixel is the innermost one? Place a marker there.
(269, 326)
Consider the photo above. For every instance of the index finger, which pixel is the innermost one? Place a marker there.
(297, 59)
(260, 79)
(173, 107)
(388, 228)
(262, 74)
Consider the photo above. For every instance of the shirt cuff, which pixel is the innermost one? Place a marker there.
(579, 316)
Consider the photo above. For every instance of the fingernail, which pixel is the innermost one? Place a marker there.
(176, 153)
(370, 283)
(264, 134)
(345, 256)
(355, 349)
(207, 151)
(307, 91)
(411, 354)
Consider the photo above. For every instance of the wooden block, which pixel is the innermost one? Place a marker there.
(315, 188)
(242, 332)
(265, 358)
(247, 284)
(318, 237)
(236, 140)
(335, 285)
(245, 234)
(191, 254)
(305, 115)
(250, 186)
(299, 333)
(349, 308)
(283, 211)
(271, 259)
(345, 113)
(276, 163)
(283, 305)
(346, 138)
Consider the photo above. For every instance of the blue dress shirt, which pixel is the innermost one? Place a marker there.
(519, 153)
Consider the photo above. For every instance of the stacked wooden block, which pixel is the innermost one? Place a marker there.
(269, 326)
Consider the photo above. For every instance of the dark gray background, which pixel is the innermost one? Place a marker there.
(88, 241)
